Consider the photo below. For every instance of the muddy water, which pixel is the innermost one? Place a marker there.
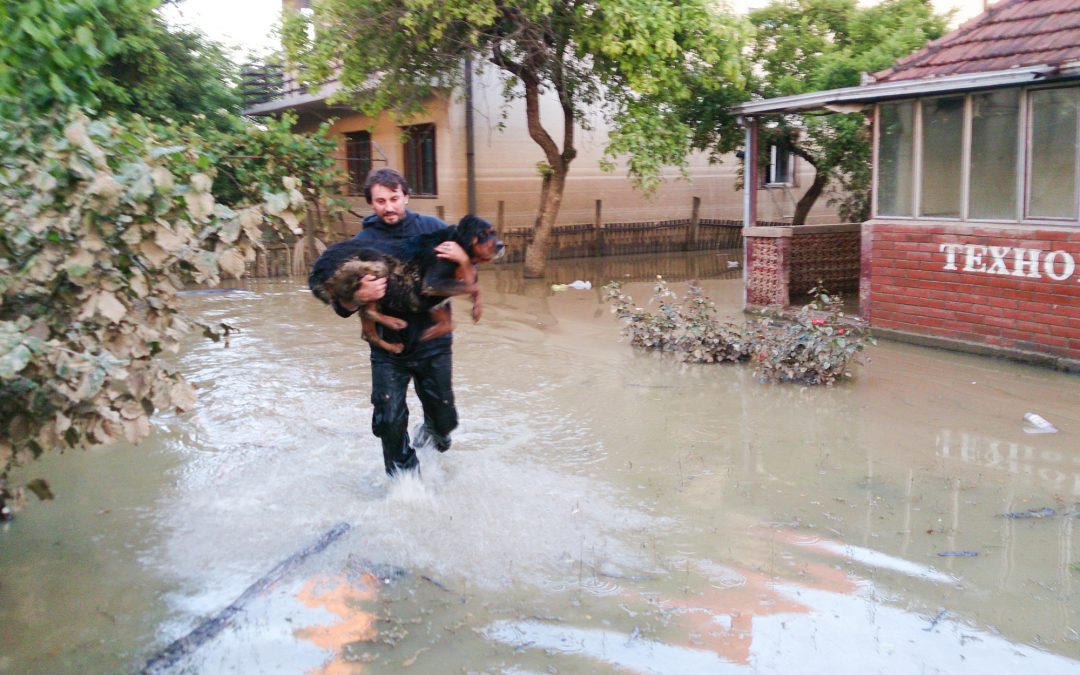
(601, 509)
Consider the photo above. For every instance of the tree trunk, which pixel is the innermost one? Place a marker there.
(536, 253)
(802, 209)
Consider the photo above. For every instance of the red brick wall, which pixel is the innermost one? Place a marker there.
(979, 294)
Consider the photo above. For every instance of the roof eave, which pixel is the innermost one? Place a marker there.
(871, 93)
(295, 102)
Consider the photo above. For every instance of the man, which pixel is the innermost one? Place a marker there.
(426, 363)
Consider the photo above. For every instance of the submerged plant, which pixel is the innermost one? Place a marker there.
(815, 346)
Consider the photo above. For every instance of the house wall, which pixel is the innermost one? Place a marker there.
(506, 160)
(1012, 288)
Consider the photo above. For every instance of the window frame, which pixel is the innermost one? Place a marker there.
(354, 163)
(1023, 161)
(1029, 130)
(768, 177)
(414, 158)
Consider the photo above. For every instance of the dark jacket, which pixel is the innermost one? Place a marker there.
(377, 232)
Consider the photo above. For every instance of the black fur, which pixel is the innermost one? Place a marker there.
(417, 279)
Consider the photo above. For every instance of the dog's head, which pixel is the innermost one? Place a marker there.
(477, 236)
(336, 274)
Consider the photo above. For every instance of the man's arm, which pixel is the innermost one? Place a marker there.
(371, 289)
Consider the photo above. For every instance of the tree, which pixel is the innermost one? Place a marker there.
(636, 60)
(101, 223)
(112, 56)
(802, 46)
(103, 218)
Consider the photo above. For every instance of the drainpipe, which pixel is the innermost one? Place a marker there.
(470, 146)
(750, 171)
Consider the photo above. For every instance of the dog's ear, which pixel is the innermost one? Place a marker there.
(472, 226)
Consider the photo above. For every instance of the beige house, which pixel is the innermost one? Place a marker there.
(464, 144)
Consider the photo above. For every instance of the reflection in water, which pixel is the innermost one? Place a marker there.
(601, 508)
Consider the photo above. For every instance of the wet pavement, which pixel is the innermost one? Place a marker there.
(601, 510)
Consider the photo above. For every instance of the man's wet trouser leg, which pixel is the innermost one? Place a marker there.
(390, 418)
(436, 393)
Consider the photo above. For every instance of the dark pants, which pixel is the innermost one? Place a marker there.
(390, 377)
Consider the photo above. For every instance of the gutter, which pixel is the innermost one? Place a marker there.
(842, 98)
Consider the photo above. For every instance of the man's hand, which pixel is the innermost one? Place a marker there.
(371, 289)
(451, 250)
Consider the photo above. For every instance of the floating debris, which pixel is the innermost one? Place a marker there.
(1037, 424)
(1032, 513)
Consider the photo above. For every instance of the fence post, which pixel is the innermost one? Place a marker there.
(598, 228)
(500, 219)
(695, 222)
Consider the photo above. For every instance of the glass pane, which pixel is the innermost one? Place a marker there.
(995, 120)
(942, 145)
(895, 159)
(1052, 189)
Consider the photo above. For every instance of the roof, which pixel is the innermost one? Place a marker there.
(1010, 34)
(1013, 43)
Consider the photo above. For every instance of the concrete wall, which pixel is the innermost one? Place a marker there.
(1009, 288)
(506, 168)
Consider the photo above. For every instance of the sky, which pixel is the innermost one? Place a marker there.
(246, 24)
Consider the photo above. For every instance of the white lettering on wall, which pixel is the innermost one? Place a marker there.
(973, 257)
(1006, 260)
(1068, 266)
(1027, 258)
(950, 254)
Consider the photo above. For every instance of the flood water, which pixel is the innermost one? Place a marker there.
(601, 509)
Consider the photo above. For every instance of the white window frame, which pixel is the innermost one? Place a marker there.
(770, 176)
(1023, 160)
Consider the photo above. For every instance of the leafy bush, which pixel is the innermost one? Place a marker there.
(815, 347)
(688, 329)
(102, 224)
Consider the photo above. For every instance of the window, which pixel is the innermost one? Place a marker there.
(1052, 160)
(781, 168)
(357, 159)
(895, 159)
(420, 159)
(942, 156)
(1017, 148)
(995, 141)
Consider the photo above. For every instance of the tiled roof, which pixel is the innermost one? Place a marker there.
(1009, 34)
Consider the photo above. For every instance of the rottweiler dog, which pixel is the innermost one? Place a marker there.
(417, 280)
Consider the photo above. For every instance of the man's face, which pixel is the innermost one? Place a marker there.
(389, 205)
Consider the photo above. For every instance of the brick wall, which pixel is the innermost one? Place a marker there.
(1006, 287)
(784, 262)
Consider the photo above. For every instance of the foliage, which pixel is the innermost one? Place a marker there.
(113, 56)
(816, 347)
(802, 46)
(689, 329)
(102, 224)
(633, 60)
(252, 158)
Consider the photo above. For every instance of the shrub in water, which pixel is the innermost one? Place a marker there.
(816, 346)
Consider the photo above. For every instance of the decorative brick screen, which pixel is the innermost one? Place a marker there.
(1013, 288)
(785, 262)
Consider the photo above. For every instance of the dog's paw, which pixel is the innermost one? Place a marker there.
(395, 324)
